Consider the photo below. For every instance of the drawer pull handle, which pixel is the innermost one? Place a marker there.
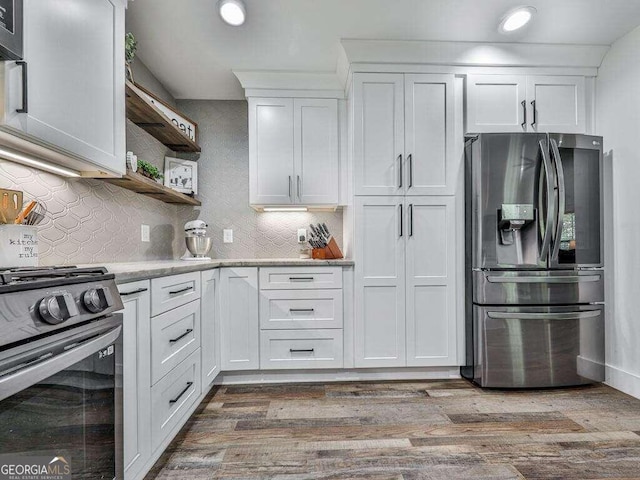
(175, 400)
(140, 290)
(301, 350)
(182, 290)
(301, 279)
(302, 310)
(177, 339)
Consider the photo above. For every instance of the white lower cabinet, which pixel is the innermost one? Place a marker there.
(239, 321)
(210, 326)
(300, 309)
(405, 305)
(136, 359)
(172, 396)
(301, 349)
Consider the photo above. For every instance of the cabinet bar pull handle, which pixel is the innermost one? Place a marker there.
(410, 160)
(524, 109)
(175, 400)
(177, 339)
(535, 115)
(400, 165)
(401, 215)
(182, 290)
(301, 279)
(289, 186)
(140, 290)
(301, 350)
(298, 188)
(411, 220)
(304, 310)
(25, 88)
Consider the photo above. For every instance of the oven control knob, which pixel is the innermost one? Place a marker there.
(57, 308)
(97, 300)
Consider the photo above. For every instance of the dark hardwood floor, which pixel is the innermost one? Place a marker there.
(407, 431)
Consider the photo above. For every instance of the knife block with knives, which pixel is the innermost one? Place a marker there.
(324, 246)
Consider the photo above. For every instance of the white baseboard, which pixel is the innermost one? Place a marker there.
(312, 376)
(624, 381)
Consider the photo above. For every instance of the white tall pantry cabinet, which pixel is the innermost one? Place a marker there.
(405, 180)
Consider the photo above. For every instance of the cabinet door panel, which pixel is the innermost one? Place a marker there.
(239, 322)
(210, 326)
(431, 281)
(495, 103)
(429, 134)
(76, 77)
(271, 151)
(559, 103)
(316, 151)
(136, 358)
(380, 282)
(378, 133)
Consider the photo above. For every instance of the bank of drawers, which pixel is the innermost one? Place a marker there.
(301, 318)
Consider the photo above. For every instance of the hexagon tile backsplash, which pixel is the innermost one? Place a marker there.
(90, 221)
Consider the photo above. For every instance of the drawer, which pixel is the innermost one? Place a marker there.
(172, 397)
(300, 278)
(174, 336)
(300, 349)
(300, 309)
(171, 292)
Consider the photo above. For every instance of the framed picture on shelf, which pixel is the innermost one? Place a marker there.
(181, 175)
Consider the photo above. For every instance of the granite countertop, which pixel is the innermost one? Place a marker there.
(134, 271)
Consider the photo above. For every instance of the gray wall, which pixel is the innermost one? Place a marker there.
(223, 177)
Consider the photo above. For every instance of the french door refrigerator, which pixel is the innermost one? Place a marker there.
(534, 260)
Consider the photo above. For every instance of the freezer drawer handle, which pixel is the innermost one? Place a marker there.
(177, 339)
(576, 279)
(175, 400)
(544, 316)
(182, 290)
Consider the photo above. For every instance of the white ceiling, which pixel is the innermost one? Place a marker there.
(192, 52)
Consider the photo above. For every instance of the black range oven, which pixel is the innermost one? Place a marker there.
(61, 371)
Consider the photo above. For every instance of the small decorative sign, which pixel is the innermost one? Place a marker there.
(18, 246)
(181, 175)
(188, 127)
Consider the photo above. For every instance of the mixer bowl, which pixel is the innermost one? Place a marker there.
(198, 246)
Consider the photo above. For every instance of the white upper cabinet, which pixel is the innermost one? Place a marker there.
(316, 151)
(557, 104)
(271, 151)
(75, 99)
(496, 103)
(429, 134)
(293, 151)
(431, 281)
(519, 103)
(403, 134)
(378, 133)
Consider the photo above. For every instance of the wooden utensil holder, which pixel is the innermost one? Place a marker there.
(330, 252)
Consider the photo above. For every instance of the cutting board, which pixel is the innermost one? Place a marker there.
(10, 205)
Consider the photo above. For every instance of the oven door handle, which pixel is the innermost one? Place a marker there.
(32, 372)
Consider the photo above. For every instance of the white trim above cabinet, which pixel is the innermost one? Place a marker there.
(293, 152)
(526, 103)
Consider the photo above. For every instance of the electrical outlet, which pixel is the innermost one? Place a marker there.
(144, 233)
(227, 235)
(302, 235)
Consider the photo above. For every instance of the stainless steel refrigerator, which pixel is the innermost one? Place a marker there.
(534, 260)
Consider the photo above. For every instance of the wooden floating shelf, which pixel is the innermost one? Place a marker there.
(148, 117)
(140, 184)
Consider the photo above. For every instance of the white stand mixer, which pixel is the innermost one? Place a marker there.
(198, 244)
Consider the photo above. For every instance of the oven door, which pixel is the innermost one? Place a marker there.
(62, 397)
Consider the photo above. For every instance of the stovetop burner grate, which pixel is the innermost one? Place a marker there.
(14, 276)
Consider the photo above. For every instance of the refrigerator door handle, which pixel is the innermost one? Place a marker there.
(545, 316)
(546, 239)
(559, 223)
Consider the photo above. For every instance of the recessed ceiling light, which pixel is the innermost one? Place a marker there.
(516, 19)
(232, 12)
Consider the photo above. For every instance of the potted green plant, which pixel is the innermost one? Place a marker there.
(130, 48)
(149, 171)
